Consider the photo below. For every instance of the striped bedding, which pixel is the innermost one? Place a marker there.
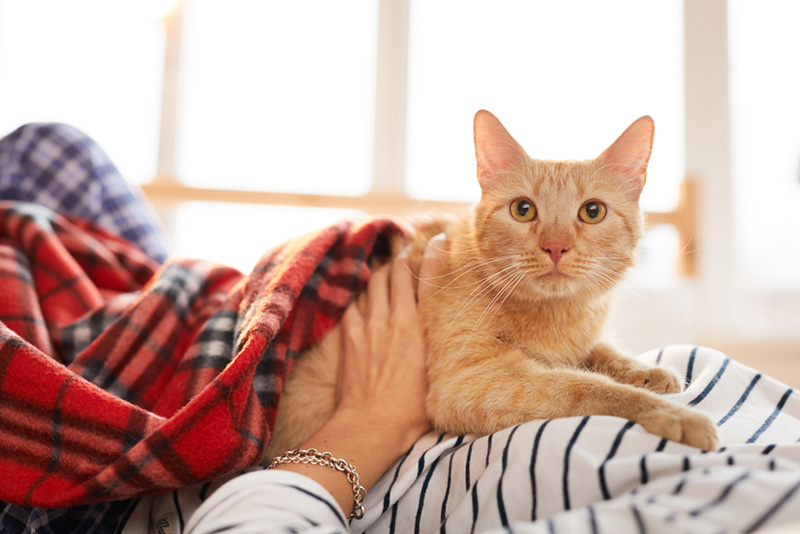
(606, 475)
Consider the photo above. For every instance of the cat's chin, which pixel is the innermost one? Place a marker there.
(556, 285)
(553, 285)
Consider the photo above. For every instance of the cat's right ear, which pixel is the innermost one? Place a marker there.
(495, 150)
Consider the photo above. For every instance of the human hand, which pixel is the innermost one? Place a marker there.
(382, 378)
(383, 373)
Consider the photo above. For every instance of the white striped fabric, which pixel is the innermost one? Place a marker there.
(575, 475)
(606, 475)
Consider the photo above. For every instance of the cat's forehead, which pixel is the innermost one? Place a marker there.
(558, 178)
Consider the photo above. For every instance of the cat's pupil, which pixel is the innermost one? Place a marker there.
(523, 208)
(593, 210)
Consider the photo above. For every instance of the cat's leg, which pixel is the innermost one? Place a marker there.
(605, 359)
(505, 390)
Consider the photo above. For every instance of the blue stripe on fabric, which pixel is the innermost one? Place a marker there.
(421, 462)
(643, 469)
(711, 384)
(565, 479)
(679, 487)
(178, 509)
(741, 400)
(420, 468)
(660, 354)
(690, 368)
(422, 493)
(316, 497)
(443, 516)
(772, 416)
(534, 455)
(768, 449)
(722, 496)
(393, 519)
(592, 520)
(386, 498)
(611, 453)
(475, 504)
(469, 460)
(475, 507)
(775, 507)
(501, 506)
(638, 517)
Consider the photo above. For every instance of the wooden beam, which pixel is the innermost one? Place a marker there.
(168, 193)
(162, 194)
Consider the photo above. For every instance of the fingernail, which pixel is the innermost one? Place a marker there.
(436, 244)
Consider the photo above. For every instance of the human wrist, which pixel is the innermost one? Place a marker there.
(368, 442)
(393, 434)
(326, 459)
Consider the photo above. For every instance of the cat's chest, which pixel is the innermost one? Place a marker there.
(469, 322)
(549, 333)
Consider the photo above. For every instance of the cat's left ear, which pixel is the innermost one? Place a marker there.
(629, 154)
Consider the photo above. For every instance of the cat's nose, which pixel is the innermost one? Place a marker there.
(555, 250)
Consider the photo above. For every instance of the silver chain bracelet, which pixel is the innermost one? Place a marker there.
(326, 459)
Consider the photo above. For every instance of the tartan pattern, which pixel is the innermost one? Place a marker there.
(121, 378)
(60, 167)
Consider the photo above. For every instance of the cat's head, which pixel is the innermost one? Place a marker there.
(570, 226)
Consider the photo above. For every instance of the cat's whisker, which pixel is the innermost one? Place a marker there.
(484, 285)
(509, 281)
(471, 268)
(684, 250)
(516, 282)
(468, 267)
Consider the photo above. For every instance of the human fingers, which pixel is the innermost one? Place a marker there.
(352, 327)
(377, 307)
(429, 267)
(402, 284)
(354, 349)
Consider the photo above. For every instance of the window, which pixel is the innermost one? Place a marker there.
(765, 112)
(59, 64)
(322, 109)
(564, 84)
(277, 95)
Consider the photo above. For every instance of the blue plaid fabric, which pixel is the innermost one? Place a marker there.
(96, 518)
(60, 167)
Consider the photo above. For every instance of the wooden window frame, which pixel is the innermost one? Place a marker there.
(387, 195)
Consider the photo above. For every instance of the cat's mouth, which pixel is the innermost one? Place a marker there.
(556, 273)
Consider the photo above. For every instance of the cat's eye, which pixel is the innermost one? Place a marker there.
(523, 210)
(592, 212)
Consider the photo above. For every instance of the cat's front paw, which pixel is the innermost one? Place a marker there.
(656, 379)
(681, 424)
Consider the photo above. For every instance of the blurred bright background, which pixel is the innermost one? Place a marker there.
(357, 99)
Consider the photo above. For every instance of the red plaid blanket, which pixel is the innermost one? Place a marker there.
(120, 378)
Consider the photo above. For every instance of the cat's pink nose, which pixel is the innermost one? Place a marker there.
(555, 250)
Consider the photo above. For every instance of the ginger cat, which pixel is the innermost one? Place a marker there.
(514, 333)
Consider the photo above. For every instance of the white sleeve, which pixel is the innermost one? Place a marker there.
(269, 501)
